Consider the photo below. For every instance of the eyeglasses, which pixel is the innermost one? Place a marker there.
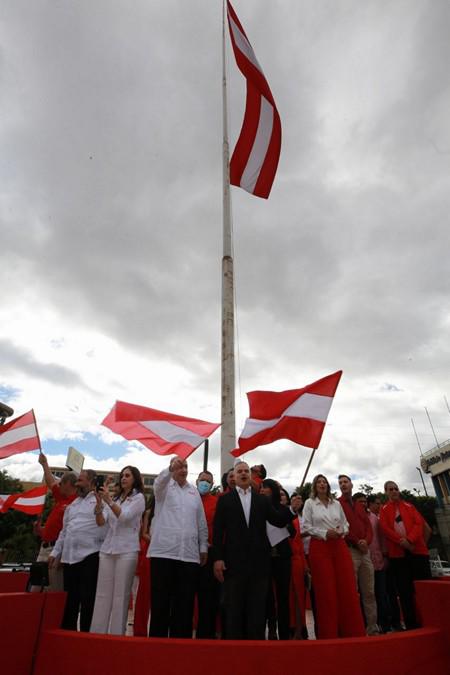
(393, 489)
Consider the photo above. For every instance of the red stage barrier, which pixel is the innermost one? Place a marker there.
(13, 582)
(414, 653)
(417, 652)
(22, 618)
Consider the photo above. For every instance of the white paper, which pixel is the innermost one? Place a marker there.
(276, 534)
(75, 460)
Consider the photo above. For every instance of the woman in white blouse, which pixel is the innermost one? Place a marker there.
(119, 551)
(337, 600)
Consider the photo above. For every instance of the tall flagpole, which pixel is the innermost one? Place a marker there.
(228, 430)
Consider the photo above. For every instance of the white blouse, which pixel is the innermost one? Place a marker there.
(318, 518)
(122, 535)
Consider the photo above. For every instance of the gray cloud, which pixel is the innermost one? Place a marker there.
(14, 360)
(110, 198)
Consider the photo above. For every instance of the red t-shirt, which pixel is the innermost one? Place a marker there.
(209, 502)
(54, 522)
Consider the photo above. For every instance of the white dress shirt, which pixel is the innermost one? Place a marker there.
(306, 540)
(80, 535)
(319, 517)
(246, 500)
(179, 529)
(122, 535)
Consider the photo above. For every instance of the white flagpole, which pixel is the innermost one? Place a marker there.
(228, 429)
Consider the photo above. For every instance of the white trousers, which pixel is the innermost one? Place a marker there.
(115, 578)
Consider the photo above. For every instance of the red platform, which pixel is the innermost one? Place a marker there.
(418, 652)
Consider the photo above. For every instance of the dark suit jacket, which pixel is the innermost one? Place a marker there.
(245, 548)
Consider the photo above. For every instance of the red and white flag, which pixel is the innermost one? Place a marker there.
(255, 158)
(19, 435)
(30, 502)
(298, 415)
(162, 432)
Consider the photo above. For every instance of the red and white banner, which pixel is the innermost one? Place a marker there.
(19, 435)
(255, 158)
(298, 415)
(30, 502)
(163, 433)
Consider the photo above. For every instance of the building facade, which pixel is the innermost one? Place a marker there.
(436, 463)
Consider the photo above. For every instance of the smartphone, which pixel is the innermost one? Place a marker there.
(99, 482)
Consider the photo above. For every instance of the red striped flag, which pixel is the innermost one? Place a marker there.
(298, 415)
(31, 502)
(255, 157)
(19, 435)
(163, 433)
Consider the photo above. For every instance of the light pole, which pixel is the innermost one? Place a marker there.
(423, 482)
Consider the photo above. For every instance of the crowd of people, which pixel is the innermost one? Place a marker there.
(238, 563)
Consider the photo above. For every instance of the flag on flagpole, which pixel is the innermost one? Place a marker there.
(255, 158)
(161, 432)
(19, 435)
(298, 415)
(30, 502)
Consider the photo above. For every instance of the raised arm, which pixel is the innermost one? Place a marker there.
(49, 478)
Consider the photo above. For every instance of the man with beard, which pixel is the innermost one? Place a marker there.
(77, 549)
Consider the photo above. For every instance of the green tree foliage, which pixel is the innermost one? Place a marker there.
(305, 491)
(16, 528)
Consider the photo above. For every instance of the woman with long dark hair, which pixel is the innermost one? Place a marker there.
(119, 551)
(279, 590)
(337, 601)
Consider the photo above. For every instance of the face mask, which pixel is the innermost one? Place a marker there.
(204, 487)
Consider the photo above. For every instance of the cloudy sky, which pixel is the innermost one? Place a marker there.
(111, 216)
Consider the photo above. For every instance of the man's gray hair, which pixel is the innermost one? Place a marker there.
(69, 477)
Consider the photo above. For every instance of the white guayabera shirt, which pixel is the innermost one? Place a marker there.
(179, 529)
(80, 535)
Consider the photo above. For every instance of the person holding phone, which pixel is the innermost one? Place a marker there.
(77, 549)
(337, 602)
(119, 552)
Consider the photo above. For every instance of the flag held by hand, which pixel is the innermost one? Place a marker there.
(30, 502)
(19, 435)
(161, 432)
(298, 415)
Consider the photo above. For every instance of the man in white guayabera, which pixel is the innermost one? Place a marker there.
(179, 544)
(77, 548)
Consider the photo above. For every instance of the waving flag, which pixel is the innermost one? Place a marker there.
(19, 435)
(161, 432)
(298, 415)
(30, 502)
(255, 157)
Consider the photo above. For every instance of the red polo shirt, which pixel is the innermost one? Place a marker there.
(358, 520)
(53, 524)
(209, 502)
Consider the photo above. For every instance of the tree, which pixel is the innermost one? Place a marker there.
(16, 528)
(366, 489)
(305, 491)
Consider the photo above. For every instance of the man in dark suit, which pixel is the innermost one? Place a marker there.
(241, 551)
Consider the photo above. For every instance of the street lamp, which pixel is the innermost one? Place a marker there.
(5, 411)
(423, 482)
